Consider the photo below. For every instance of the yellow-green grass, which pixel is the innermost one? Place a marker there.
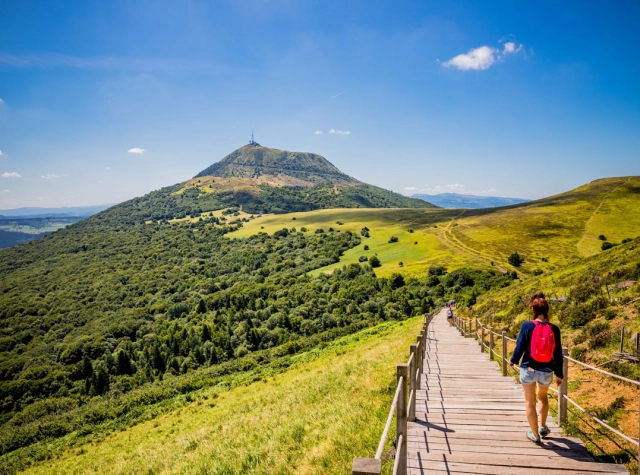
(330, 406)
(549, 233)
(382, 224)
(216, 214)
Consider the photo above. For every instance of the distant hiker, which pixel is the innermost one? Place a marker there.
(449, 316)
(540, 348)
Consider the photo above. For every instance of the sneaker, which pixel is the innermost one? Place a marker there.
(544, 431)
(533, 438)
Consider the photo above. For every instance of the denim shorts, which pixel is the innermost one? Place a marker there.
(543, 378)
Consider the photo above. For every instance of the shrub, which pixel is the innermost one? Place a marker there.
(293, 219)
(578, 353)
(319, 231)
(437, 270)
(363, 259)
(396, 280)
(366, 247)
(597, 327)
(393, 239)
(606, 245)
(538, 272)
(577, 316)
(515, 260)
(602, 237)
(610, 314)
(303, 229)
(600, 340)
(624, 241)
(411, 231)
(401, 264)
(375, 262)
(579, 338)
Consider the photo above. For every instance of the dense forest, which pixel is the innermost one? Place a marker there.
(100, 310)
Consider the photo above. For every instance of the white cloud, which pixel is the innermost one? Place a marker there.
(339, 132)
(318, 132)
(2, 154)
(1, 101)
(11, 175)
(477, 59)
(52, 176)
(108, 168)
(410, 188)
(136, 150)
(6, 191)
(481, 58)
(511, 48)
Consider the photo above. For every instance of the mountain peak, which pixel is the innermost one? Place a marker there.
(254, 160)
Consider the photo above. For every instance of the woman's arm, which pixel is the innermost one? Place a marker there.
(557, 353)
(520, 345)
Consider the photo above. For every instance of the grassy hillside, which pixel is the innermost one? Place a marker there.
(253, 161)
(548, 233)
(312, 418)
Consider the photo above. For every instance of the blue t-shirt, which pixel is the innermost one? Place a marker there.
(523, 351)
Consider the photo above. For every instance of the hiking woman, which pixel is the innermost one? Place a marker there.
(449, 315)
(540, 348)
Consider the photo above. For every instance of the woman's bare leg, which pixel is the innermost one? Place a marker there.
(530, 402)
(543, 404)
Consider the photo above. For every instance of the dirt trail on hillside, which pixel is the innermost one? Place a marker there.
(449, 239)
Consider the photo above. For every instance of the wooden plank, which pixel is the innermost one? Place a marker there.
(471, 419)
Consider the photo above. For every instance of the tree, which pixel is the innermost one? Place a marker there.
(123, 363)
(437, 270)
(397, 280)
(606, 245)
(375, 262)
(202, 307)
(515, 260)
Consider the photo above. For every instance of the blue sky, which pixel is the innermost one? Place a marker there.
(501, 98)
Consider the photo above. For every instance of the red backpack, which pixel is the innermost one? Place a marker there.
(542, 342)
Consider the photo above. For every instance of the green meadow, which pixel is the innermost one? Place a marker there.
(548, 233)
(328, 406)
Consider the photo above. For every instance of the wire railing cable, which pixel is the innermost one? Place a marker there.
(604, 372)
(385, 433)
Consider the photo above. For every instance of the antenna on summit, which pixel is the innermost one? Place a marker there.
(253, 142)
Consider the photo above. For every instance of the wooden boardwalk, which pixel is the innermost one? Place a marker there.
(471, 419)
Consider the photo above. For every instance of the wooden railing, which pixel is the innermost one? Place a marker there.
(404, 407)
(466, 329)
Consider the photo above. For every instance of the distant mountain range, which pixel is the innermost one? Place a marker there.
(64, 212)
(455, 200)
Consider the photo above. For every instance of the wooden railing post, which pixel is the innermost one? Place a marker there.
(638, 414)
(475, 332)
(504, 353)
(622, 339)
(412, 382)
(562, 390)
(482, 338)
(362, 466)
(637, 342)
(420, 361)
(402, 370)
(490, 344)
